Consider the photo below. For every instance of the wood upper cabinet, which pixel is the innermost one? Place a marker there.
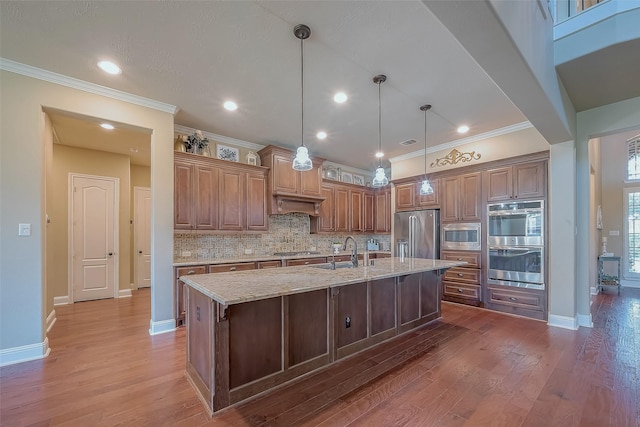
(368, 211)
(408, 196)
(289, 190)
(355, 210)
(326, 221)
(212, 194)
(342, 209)
(461, 198)
(520, 181)
(383, 211)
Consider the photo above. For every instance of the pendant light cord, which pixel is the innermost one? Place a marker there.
(302, 91)
(379, 126)
(425, 142)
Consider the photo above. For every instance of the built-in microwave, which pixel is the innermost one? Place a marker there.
(516, 223)
(461, 236)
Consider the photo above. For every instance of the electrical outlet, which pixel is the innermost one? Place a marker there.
(614, 232)
(313, 249)
(347, 322)
(24, 229)
(248, 251)
(186, 253)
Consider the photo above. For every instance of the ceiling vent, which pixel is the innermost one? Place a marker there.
(408, 142)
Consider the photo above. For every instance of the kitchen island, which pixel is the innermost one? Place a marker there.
(250, 331)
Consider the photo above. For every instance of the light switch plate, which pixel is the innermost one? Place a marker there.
(24, 229)
(614, 232)
(248, 251)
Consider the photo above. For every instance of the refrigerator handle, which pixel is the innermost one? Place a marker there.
(412, 236)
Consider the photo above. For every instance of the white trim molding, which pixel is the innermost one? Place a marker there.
(51, 77)
(458, 142)
(564, 322)
(184, 130)
(63, 300)
(124, 293)
(585, 320)
(51, 320)
(164, 326)
(24, 353)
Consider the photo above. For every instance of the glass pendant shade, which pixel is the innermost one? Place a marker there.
(426, 188)
(380, 180)
(302, 162)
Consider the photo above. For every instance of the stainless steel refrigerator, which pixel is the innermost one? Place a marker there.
(419, 232)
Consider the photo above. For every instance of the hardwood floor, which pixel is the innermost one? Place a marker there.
(472, 367)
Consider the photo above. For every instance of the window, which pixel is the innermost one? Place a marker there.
(633, 165)
(632, 233)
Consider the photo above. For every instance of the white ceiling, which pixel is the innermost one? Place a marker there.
(195, 55)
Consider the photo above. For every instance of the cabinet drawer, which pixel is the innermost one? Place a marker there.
(223, 268)
(461, 290)
(269, 264)
(474, 259)
(532, 301)
(306, 261)
(459, 274)
(340, 258)
(188, 271)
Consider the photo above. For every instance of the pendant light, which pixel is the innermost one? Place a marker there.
(302, 162)
(380, 179)
(425, 188)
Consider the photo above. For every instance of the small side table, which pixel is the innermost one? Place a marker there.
(608, 279)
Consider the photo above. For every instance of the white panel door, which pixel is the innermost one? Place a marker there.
(94, 247)
(142, 239)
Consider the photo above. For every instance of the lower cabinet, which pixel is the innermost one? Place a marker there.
(306, 261)
(178, 296)
(463, 284)
(520, 301)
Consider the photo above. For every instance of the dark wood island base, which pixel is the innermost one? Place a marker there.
(237, 351)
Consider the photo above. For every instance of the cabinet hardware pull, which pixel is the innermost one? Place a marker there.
(232, 269)
(191, 272)
(459, 259)
(460, 290)
(306, 263)
(513, 298)
(460, 275)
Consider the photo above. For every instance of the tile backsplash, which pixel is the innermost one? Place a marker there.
(286, 233)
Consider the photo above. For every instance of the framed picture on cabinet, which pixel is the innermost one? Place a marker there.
(358, 179)
(346, 177)
(228, 153)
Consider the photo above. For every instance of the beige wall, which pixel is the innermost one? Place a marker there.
(140, 177)
(68, 160)
(22, 184)
(518, 143)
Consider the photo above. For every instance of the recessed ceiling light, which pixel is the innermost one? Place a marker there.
(230, 105)
(379, 154)
(340, 97)
(106, 126)
(463, 129)
(321, 135)
(109, 67)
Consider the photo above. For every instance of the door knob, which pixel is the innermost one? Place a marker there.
(140, 252)
(110, 253)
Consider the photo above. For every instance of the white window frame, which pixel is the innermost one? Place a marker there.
(626, 274)
(635, 141)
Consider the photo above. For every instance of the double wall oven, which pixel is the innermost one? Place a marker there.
(515, 238)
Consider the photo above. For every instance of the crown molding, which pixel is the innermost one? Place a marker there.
(458, 142)
(185, 130)
(51, 77)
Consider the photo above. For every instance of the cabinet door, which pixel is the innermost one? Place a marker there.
(256, 205)
(499, 184)
(405, 196)
(470, 197)
(183, 189)
(178, 297)
(326, 221)
(450, 196)
(529, 180)
(285, 178)
(311, 181)
(430, 295)
(351, 314)
(206, 199)
(231, 190)
(355, 211)
(383, 212)
(342, 209)
(431, 200)
(368, 211)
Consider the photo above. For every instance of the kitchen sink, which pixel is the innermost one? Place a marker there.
(296, 253)
(338, 266)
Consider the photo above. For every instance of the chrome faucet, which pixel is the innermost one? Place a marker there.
(354, 254)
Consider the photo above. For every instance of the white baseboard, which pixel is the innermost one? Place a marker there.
(124, 293)
(585, 320)
(161, 327)
(24, 353)
(51, 320)
(563, 322)
(63, 300)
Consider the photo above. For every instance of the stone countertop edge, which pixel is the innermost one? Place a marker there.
(256, 258)
(252, 285)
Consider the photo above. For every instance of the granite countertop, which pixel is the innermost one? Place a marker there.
(244, 286)
(185, 262)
